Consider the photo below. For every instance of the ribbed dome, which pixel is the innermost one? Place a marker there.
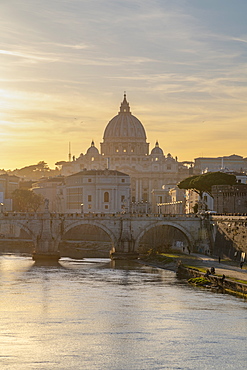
(92, 150)
(157, 150)
(125, 125)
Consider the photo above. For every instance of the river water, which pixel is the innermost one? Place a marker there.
(97, 314)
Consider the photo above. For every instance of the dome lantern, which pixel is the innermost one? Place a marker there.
(124, 108)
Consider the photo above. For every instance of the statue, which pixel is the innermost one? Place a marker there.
(46, 204)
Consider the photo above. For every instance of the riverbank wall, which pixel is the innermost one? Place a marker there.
(227, 285)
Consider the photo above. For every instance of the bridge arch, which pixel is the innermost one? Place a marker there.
(90, 246)
(21, 225)
(177, 226)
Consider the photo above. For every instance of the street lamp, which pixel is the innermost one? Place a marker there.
(1, 204)
(82, 208)
(146, 206)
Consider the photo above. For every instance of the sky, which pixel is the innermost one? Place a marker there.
(65, 64)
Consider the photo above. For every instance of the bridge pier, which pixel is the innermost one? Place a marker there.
(45, 249)
(126, 243)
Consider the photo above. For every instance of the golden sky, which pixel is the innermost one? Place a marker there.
(64, 66)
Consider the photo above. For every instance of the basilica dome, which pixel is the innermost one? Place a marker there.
(125, 126)
(92, 150)
(157, 150)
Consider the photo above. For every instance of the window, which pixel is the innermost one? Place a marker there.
(89, 198)
(122, 198)
(90, 206)
(89, 180)
(106, 197)
(169, 167)
(159, 199)
(123, 180)
(124, 150)
(106, 206)
(92, 159)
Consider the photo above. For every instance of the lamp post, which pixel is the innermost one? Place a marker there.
(146, 207)
(82, 208)
(1, 204)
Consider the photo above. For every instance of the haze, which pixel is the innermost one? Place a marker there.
(66, 64)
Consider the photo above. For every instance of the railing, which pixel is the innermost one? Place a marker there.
(57, 215)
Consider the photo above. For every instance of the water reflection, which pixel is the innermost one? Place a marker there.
(102, 314)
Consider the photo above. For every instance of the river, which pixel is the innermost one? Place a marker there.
(96, 314)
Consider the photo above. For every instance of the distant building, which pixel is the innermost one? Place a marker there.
(51, 189)
(229, 163)
(193, 200)
(106, 191)
(8, 184)
(168, 200)
(125, 149)
(160, 196)
(230, 199)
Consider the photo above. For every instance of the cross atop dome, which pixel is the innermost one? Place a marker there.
(124, 108)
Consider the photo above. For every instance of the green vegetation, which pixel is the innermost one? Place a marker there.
(199, 269)
(158, 258)
(203, 183)
(199, 281)
(35, 171)
(237, 280)
(26, 200)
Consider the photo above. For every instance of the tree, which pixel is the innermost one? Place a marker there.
(26, 200)
(203, 183)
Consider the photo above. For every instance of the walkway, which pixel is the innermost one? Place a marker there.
(228, 268)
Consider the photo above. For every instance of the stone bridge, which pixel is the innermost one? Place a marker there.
(125, 231)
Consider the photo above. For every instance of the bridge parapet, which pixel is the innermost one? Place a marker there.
(125, 230)
(229, 218)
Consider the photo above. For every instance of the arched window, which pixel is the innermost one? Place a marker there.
(106, 197)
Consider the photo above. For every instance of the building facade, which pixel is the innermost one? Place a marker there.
(230, 199)
(98, 191)
(8, 184)
(232, 163)
(125, 148)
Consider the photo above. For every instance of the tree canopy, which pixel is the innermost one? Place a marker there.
(26, 200)
(203, 183)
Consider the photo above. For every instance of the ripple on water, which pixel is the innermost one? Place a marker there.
(94, 314)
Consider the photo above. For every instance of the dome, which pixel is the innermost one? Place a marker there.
(157, 150)
(92, 150)
(125, 125)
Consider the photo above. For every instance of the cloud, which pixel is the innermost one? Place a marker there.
(33, 57)
(182, 66)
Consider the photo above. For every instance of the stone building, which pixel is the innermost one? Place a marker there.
(99, 191)
(230, 199)
(51, 189)
(125, 148)
(233, 162)
(8, 184)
